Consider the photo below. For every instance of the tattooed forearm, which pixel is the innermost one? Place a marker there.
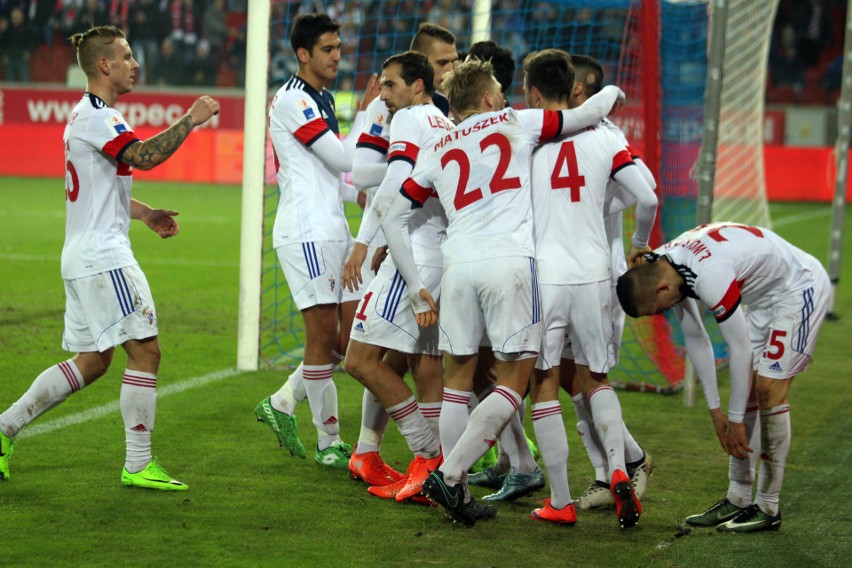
(156, 150)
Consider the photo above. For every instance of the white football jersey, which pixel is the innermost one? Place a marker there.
(309, 207)
(481, 172)
(614, 224)
(97, 190)
(569, 180)
(413, 129)
(372, 148)
(725, 264)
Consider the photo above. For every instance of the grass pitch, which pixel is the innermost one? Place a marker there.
(251, 504)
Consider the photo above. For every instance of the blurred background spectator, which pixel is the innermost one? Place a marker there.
(147, 28)
(17, 42)
(170, 65)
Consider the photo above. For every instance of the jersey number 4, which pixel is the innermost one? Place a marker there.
(499, 181)
(573, 181)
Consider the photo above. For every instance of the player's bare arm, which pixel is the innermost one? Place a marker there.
(378, 258)
(156, 150)
(352, 270)
(720, 425)
(161, 221)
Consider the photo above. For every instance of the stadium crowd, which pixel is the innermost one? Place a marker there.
(202, 42)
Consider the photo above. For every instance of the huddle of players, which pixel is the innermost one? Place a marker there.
(563, 190)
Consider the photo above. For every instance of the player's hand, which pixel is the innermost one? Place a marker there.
(720, 425)
(352, 269)
(378, 258)
(634, 254)
(425, 308)
(735, 440)
(203, 109)
(619, 102)
(362, 199)
(162, 222)
(374, 87)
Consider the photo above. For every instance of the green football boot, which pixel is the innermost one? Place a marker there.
(719, 513)
(282, 424)
(751, 519)
(154, 476)
(336, 455)
(7, 446)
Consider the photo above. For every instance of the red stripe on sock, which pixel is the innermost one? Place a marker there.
(69, 376)
(601, 388)
(545, 412)
(508, 396)
(140, 384)
(321, 376)
(407, 410)
(777, 413)
(456, 398)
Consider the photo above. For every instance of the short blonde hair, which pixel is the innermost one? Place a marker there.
(466, 83)
(93, 44)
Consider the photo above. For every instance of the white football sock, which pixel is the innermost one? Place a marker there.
(741, 472)
(513, 439)
(138, 403)
(633, 453)
(431, 411)
(486, 422)
(453, 418)
(553, 445)
(291, 393)
(374, 421)
(589, 437)
(322, 396)
(606, 411)
(415, 429)
(336, 358)
(48, 390)
(775, 444)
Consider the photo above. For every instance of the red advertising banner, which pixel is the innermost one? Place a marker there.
(32, 122)
(21, 105)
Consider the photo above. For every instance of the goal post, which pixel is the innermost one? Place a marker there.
(254, 160)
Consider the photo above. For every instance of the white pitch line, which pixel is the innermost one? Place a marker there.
(790, 219)
(111, 407)
(142, 262)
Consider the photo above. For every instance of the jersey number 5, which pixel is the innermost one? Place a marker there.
(572, 180)
(72, 182)
(776, 347)
(499, 181)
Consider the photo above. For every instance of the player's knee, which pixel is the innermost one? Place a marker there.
(93, 366)
(771, 392)
(357, 363)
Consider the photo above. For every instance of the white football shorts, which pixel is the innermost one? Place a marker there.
(583, 312)
(498, 296)
(385, 317)
(314, 271)
(783, 336)
(107, 309)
